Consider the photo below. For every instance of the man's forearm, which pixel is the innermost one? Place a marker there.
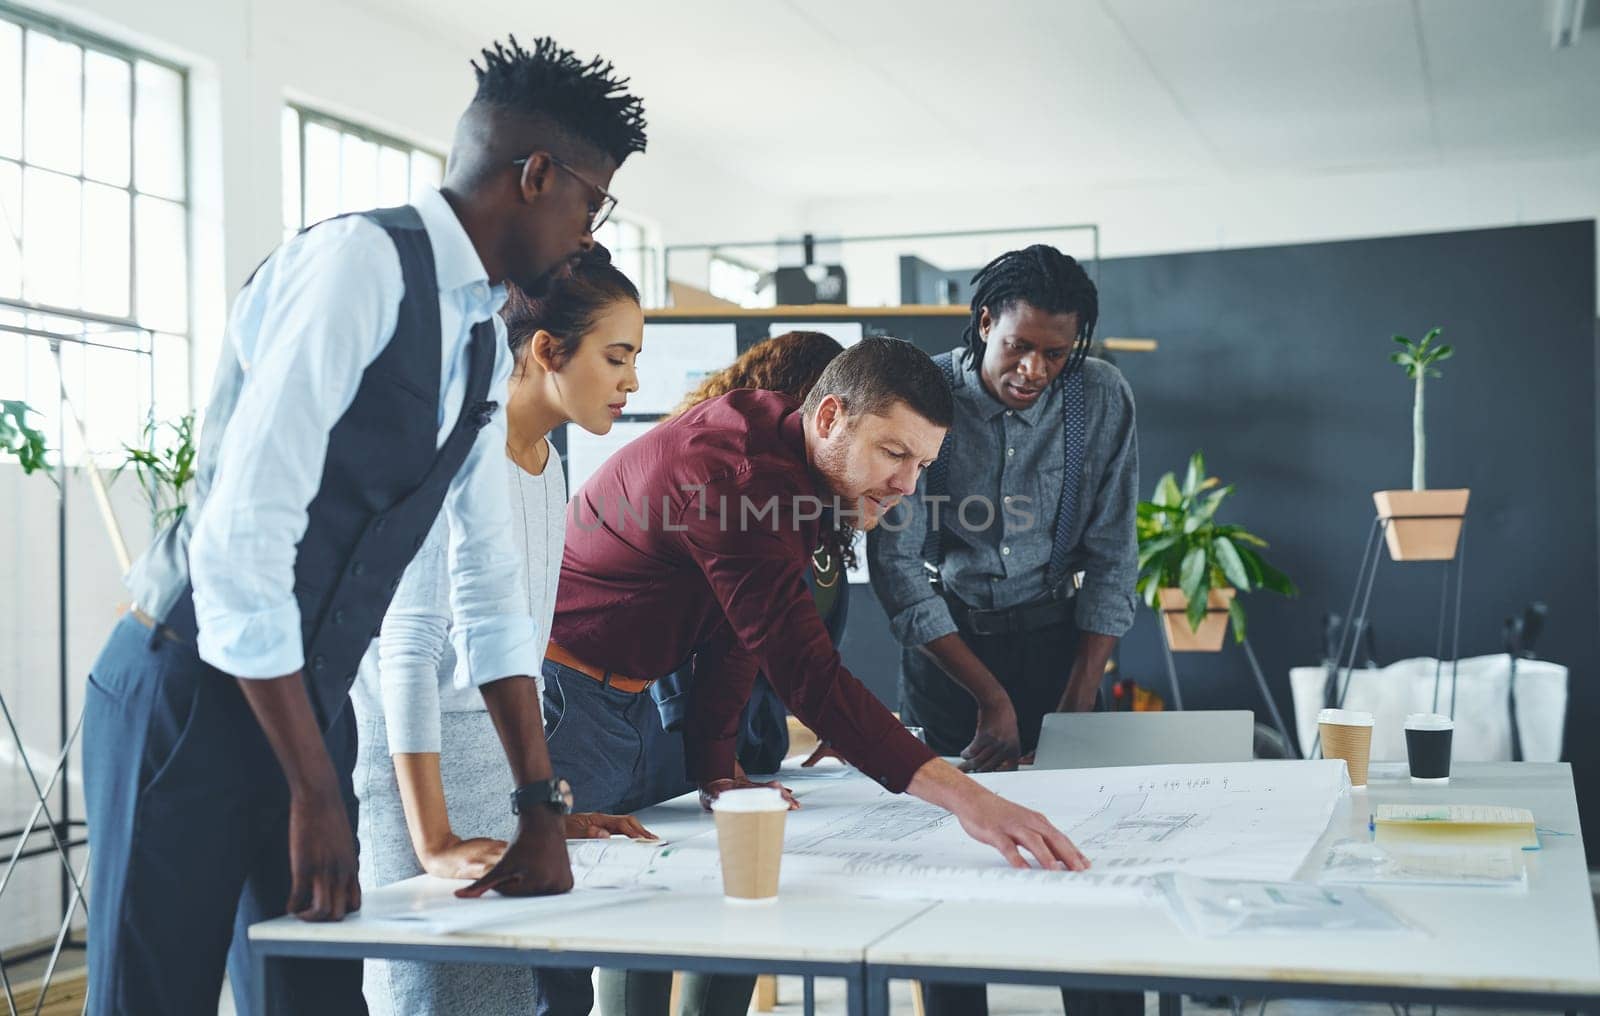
(943, 785)
(1088, 668)
(962, 665)
(514, 706)
(283, 709)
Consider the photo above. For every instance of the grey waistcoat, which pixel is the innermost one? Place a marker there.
(383, 483)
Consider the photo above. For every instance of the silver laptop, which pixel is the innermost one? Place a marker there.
(1087, 740)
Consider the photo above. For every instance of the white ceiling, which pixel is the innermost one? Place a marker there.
(835, 98)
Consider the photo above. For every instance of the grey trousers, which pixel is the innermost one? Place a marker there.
(477, 786)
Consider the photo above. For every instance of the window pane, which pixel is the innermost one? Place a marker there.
(161, 268)
(105, 250)
(172, 397)
(13, 362)
(158, 130)
(109, 404)
(291, 172)
(54, 117)
(10, 230)
(393, 170)
(108, 82)
(10, 90)
(358, 174)
(51, 234)
(427, 170)
(322, 172)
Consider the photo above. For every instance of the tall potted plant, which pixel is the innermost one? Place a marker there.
(1192, 567)
(1422, 524)
(164, 467)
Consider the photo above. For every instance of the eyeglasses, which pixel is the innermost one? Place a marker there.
(608, 204)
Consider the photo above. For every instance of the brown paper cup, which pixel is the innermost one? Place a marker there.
(750, 840)
(1347, 734)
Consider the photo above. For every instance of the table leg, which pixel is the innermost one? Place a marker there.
(875, 986)
(810, 995)
(1171, 1004)
(261, 964)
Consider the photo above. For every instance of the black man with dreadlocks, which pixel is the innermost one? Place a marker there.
(1035, 485)
(359, 393)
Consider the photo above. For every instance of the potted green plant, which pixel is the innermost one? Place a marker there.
(164, 468)
(21, 440)
(1422, 524)
(1191, 567)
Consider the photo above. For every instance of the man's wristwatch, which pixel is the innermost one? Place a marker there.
(552, 793)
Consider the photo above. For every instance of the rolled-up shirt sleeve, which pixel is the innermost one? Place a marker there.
(415, 631)
(756, 571)
(1107, 602)
(493, 634)
(917, 614)
(316, 315)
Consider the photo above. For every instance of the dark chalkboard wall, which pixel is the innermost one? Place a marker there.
(1274, 361)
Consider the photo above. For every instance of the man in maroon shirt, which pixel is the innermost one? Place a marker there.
(692, 543)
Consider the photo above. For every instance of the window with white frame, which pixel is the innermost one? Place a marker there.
(94, 227)
(331, 166)
(629, 245)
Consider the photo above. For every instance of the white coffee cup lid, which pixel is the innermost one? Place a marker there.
(1429, 721)
(750, 799)
(1345, 717)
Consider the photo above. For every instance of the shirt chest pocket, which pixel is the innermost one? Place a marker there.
(1029, 498)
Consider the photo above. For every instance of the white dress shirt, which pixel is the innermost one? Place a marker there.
(316, 315)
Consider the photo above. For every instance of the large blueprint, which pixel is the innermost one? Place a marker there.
(1252, 820)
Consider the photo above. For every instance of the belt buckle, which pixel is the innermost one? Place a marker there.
(981, 622)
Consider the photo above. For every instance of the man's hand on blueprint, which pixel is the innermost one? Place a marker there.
(535, 864)
(711, 791)
(989, 818)
(594, 825)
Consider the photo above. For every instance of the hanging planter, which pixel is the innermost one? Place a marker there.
(1422, 524)
(1207, 638)
(1191, 566)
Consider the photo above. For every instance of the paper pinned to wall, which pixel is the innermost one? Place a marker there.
(847, 333)
(586, 452)
(675, 359)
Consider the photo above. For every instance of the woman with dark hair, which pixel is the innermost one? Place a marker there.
(425, 736)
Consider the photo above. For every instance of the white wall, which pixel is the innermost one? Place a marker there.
(1234, 213)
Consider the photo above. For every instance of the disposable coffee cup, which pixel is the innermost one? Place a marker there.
(750, 840)
(1347, 734)
(1428, 737)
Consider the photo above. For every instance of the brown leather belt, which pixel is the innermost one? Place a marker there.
(631, 685)
(156, 626)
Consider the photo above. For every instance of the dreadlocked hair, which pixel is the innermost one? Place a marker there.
(1043, 278)
(587, 100)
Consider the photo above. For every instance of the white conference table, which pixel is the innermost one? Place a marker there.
(1535, 949)
(805, 935)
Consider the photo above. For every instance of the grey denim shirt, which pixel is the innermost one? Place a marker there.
(1004, 483)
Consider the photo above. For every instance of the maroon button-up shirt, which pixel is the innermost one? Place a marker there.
(692, 542)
